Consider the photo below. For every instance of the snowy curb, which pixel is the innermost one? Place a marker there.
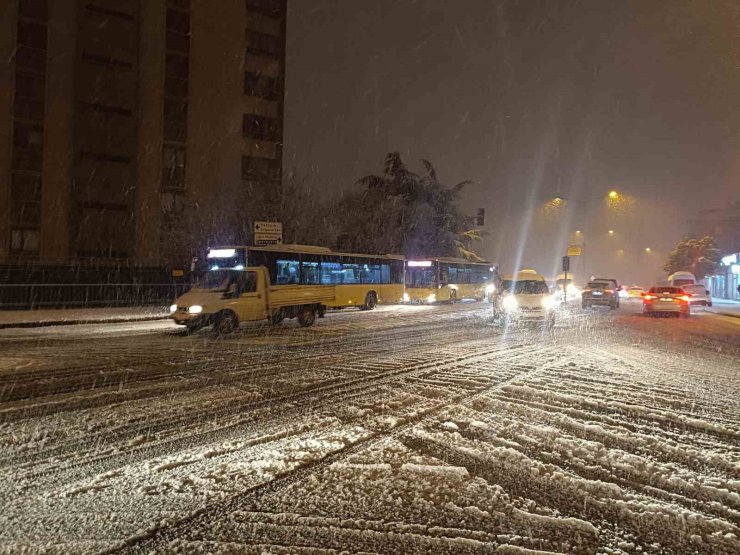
(730, 314)
(76, 322)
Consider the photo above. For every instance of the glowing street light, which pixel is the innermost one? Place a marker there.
(613, 195)
(647, 249)
(611, 232)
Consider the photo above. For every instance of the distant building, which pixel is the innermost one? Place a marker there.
(132, 130)
(721, 223)
(724, 225)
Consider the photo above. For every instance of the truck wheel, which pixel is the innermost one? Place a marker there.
(371, 301)
(226, 323)
(192, 327)
(307, 316)
(277, 317)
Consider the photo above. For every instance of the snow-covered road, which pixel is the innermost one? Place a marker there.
(403, 430)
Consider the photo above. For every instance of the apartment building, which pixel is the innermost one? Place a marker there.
(132, 131)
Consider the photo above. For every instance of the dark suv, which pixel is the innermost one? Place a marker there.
(600, 293)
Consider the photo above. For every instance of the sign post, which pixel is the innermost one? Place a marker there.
(268, 233)
(566, 267)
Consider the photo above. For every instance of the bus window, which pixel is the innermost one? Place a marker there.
(444, 275)
(310, 273)
(397, 271)
(421, 277)
(287, 272)
(331, 273)
(370, 273)
(385, 273)
(453, 274)
(350, 273)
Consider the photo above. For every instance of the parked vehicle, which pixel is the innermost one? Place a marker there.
(525, 298)
(699, 295)
(225, 298)
(679, 279)
(666, 299)
(600, 293)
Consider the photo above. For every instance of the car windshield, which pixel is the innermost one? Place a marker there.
(217, 280)
(529, 287)
(694, 288)
(597, 285)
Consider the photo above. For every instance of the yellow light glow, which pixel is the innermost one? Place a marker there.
(611, 232)
(613, 195)
(647, 249)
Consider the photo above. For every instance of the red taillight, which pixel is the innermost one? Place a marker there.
(650, 297)
(685, 298)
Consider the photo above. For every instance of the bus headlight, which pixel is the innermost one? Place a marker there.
(490, 288)
(510, 303)
(432, 298)
(173, 308)
(195, 309)
(406, 297)
(550, 302)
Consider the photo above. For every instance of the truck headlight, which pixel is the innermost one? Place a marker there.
(432, 298)
(406, 297)
(173, 308)
(195, 309)
(490, 288)
(510, 303)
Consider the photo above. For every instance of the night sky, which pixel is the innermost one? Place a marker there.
(528, 99)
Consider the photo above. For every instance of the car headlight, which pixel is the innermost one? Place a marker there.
(510, 303)
(431, 298)
(406, 297)
(550, 302)
(490, 289)
(173, 308)
(195, 309)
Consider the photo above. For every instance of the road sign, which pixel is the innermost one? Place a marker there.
(566, 264)
(575, 250)
(268, 233)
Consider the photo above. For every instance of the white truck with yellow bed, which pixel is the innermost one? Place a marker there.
(225, 298)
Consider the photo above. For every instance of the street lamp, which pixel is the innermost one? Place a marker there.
(647, 249)
(613, 195)
(611, 232)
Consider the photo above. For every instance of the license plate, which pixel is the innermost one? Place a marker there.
(667, 300)
(597, 293)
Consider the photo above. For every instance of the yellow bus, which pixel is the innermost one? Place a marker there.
(448, 280)
(360, 280)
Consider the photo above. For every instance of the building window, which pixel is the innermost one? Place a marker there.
(262, 86)
(174, 167)
(25, 241)
(273, 8)
(33, 9)
(260, 169)
(263, 128)
(261, 43)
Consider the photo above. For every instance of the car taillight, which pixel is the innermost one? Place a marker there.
(609, 290)
(685, 297)
(650, 297)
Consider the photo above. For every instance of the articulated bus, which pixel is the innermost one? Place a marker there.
(360, 280)
(448, 280)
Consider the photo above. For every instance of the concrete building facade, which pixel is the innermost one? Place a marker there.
(137, 131)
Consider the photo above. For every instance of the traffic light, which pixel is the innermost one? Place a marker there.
(480, 217)
(566, 263)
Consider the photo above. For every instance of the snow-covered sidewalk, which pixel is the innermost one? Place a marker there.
(725, 307)
(70, 316)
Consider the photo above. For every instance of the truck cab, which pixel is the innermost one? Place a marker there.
(224, 298)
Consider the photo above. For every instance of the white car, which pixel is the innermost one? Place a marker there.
(525, 298)
(699, 294)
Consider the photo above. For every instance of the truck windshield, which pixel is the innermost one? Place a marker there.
(215, 280)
